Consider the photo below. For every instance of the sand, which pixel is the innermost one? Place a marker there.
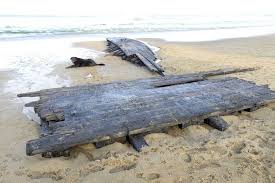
(243, 153)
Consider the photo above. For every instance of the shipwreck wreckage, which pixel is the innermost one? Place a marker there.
(134, 51)
(100, 113)
(104, 113)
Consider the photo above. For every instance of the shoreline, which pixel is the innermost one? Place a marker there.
(146, 35)
(243, 153)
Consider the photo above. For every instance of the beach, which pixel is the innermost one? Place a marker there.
(245, 152)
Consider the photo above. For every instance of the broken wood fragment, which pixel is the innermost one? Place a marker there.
(217, 122)
(137, 141)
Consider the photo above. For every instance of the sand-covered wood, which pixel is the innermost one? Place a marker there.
(95, 113)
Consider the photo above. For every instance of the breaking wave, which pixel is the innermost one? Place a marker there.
(37, 26)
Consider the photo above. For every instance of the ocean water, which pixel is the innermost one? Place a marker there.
(185, 27)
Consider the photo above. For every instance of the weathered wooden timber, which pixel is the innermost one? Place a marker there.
(96, 113)
(134, 51)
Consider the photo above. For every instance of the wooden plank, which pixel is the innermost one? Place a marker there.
(183, 80)
(52, 107)
(68, 94)
(109, 114)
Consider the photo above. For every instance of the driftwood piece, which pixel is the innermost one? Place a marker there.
(80, 62)
(217, 122)
(137, 141)
(134, 51)
(95, 113)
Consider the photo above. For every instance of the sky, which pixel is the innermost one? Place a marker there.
(137, 7)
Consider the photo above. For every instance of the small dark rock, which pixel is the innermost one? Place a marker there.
(80, 62)
(153, 176)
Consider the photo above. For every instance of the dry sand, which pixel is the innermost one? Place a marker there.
(243, 153)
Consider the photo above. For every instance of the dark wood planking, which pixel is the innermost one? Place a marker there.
(115, 87)
(44, 126)
(146, 101)
(134, 51)
(110, 115)
(49, 110)
(69, 92)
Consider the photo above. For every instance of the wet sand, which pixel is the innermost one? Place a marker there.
(243, 153)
